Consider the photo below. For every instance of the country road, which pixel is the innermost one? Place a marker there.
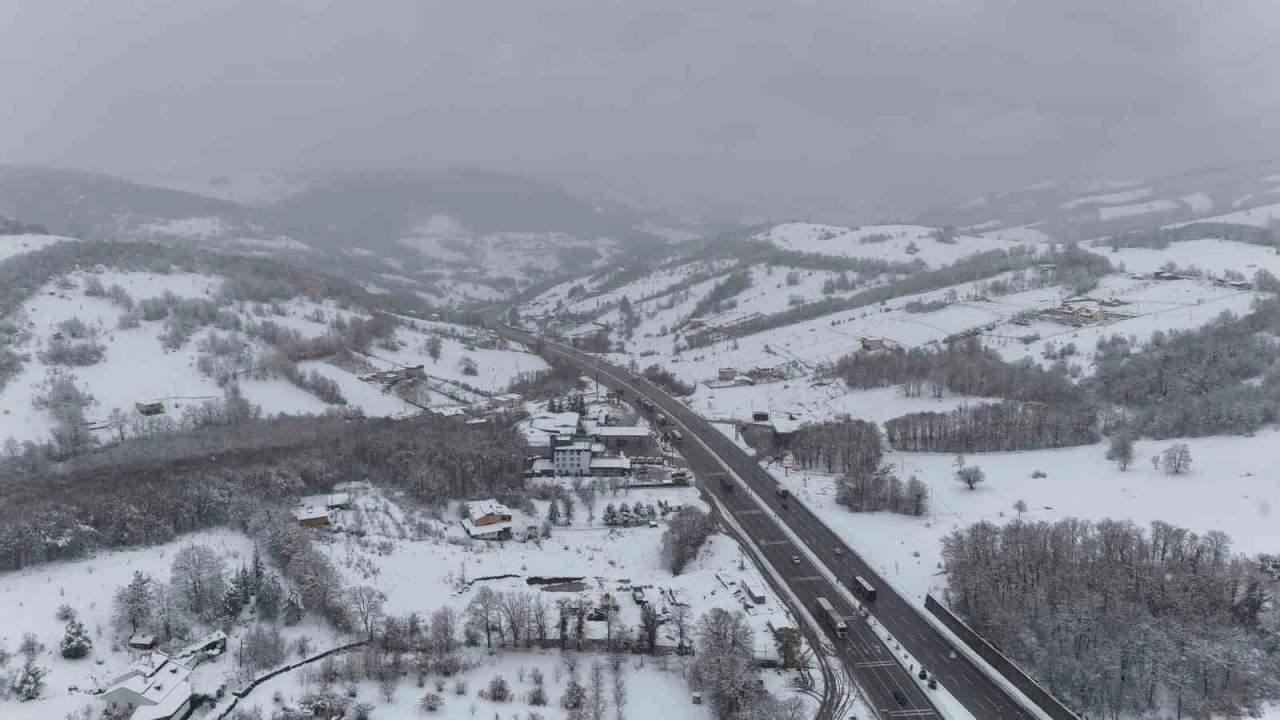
(863, 654)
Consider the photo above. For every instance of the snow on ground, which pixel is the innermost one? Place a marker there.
(29, 599)
(1198, 202)
(1211, 255)
(192, 227)
(1261, 216)
(1023, 234)
(136, 366)
(656, 688)
(14, 245)
(1117, 198)
(1233, 486)
(1123, 211)
(845, 242)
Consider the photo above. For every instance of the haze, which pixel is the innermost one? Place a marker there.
(844, 110)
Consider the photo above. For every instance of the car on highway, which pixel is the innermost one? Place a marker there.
(839, 551)
(795, 559)
(785, 506)
(899, 697)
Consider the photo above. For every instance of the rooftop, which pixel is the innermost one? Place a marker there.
(477, 509)
(622, 431)
(609, 462)
(311, 513)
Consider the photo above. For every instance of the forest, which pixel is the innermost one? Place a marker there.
(1120, 621)
(155, 488)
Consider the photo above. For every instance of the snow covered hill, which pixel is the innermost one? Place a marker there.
(104, 339)
(1066, 211)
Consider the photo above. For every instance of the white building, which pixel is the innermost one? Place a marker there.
(572, 458)
(157, 687)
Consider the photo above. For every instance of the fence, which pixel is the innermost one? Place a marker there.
(1003, 665)
(239, 695)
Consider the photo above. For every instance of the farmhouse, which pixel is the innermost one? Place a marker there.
(157, 687)
(487, 520)
(509, 401)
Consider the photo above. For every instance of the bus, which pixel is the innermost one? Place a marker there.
(863, 588)
(828, 612)
(677, 436)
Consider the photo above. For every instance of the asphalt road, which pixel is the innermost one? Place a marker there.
(862, 652)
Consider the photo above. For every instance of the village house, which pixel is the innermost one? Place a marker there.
(157, 687)
(149, 406)
(509, 401)
(580, 456)
(487, 520)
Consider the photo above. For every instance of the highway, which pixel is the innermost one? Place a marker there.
(864, 655)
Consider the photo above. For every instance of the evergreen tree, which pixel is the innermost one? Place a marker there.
(553, 512)
(610, 515)
(76, 642)
(292, 609)
(30, 682)
(270, 595)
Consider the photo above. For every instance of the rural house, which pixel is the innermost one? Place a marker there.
(155, 688)
(313, 517)
(487, 520)
(149, 406)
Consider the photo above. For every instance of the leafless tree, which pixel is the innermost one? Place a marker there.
(366, 602)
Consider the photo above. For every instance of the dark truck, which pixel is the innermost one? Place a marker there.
(725, 483)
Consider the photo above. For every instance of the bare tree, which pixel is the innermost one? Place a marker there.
(197, 575)
(515, 610)
(538, 619)
(483, 614)
(971, 476)
(680, 620)
(367, 604)
(597, 702)
(616, 664)
(1176, 459)
(444, 629)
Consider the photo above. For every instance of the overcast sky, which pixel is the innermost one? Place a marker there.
(873, 106)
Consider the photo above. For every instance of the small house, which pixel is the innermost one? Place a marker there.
(487, 520)
(727, 374)
(149, 406)
(313, 517)
(754, 595)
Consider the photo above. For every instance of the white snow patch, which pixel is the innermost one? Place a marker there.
(1122, 211)
(1108, 199)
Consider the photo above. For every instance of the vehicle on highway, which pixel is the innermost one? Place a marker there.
(795, 559)
(785, 506)
(864, 589)
(839, 551)
(662, 419)
(677, 436)
(828, 613)
(781, 492)
(899, 697)
(725, 483)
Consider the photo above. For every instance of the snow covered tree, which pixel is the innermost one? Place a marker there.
(498, 689)
(624, 514)
(616, 665)
(610, 516)
(1020, 507)
(197, 576)
(1120, 451)
(433, 348)
(725, 663)
(291, 607)
(553, 512)
(133, 602)
(482, 614)
(568, 509)
(30, 681)
(444, 630)
(789, 645)
(1176, 459)
(76, 641)
(431, 702)
(270, 596)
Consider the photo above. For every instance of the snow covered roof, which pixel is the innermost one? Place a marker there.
(167, 705)
(477, 509)
(451, 410)
(327, 500)
(484, 530)
(785, 425)
(622, 431)
(311, 513)
(606, 462)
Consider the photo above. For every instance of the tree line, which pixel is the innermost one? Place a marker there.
(993, 427)
(1120, 621)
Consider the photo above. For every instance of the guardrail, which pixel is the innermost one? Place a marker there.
(999, 662)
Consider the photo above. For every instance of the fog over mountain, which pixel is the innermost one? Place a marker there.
(835, 109)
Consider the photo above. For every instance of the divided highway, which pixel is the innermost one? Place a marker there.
(862, 652)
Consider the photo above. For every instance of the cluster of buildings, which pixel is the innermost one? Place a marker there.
(157, 686)
(583, 455)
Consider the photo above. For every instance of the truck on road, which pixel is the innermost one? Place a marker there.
(781, 492)
(829, 614)
(725, 483)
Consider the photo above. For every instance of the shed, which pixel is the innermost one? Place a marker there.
(312, 516)
(149, 406)
(697, 698)
(143, 642)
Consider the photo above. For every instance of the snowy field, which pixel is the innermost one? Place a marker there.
(846, 242)
(1233, 486)
(14, 245)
